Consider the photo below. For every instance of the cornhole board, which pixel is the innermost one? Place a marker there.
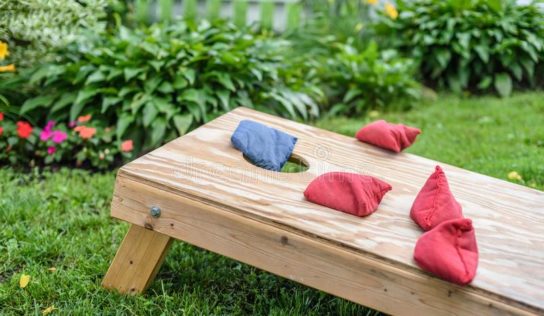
(211, 197)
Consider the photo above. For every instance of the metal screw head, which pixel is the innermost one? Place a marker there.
(155, 211)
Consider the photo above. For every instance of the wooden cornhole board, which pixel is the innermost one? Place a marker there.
(211, 197)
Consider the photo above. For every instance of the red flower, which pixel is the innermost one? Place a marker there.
(1, 130)
(127, 145)
(1, 116)
(24, 129)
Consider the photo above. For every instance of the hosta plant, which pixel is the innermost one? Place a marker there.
(360, 80)
(157, 82)
(475, 45)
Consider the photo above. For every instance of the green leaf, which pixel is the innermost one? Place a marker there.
(352, 93)
(75, 110)
(95, 77)
(131, 73)
(109, 101)
(40, 101)
(47, 71)
(485, 83)
(295, 99)
(122, 124)
(286, 104)
(503, 84)
(483, 52)
(193, 95)
(166, 87)
(149, 113)
(224, 97)
(195, 111)
(496, 5)
(86, 94)
(443, 57)
(114, 73)
(517, 71)
(243, 99)
(190, 75)
(152, 84)
(157, 131)
(529, 66)
(156, 64)
(257, 73)
(183, 123)
(126, 90)
(180, 83)
(226, 81)
(64, 100)
(164, 107)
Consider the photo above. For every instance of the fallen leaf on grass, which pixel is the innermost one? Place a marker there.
(513, 175)
(48, 310)
(373, 114)
(52, 269)
(23, 281)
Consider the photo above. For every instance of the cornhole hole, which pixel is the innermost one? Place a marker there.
(200, 189)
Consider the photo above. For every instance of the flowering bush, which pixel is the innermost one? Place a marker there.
(155, 83)
(81, 143)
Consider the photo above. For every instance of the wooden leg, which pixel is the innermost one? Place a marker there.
(137, 261)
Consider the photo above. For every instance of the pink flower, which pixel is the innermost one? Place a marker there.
(51, 150)
(59, 136)
(45, 135)
(50, 125)
(72, 124)
(47, 131)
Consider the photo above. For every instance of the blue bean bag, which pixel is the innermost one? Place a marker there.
(264, 146)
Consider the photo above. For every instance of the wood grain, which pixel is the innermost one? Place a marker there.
(331, 268)
(137, 261)
(509, 219)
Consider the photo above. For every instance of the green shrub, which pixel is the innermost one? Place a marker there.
(471, 44)
(155, 83)
(34, 28)
(359, 80)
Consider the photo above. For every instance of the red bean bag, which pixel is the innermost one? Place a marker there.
(347, 192)
(449, 251)
(435, 203)
(395, 137)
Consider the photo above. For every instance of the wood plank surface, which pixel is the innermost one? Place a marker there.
(508, 219)
(310, 261)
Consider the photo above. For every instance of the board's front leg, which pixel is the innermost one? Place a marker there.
(137, 261)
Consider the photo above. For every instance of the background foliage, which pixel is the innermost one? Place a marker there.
(156, 82)
(151, 83)
(471, 44)
(359, 80)
(34, 28)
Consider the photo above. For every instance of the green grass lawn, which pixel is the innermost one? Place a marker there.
(61, 220)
